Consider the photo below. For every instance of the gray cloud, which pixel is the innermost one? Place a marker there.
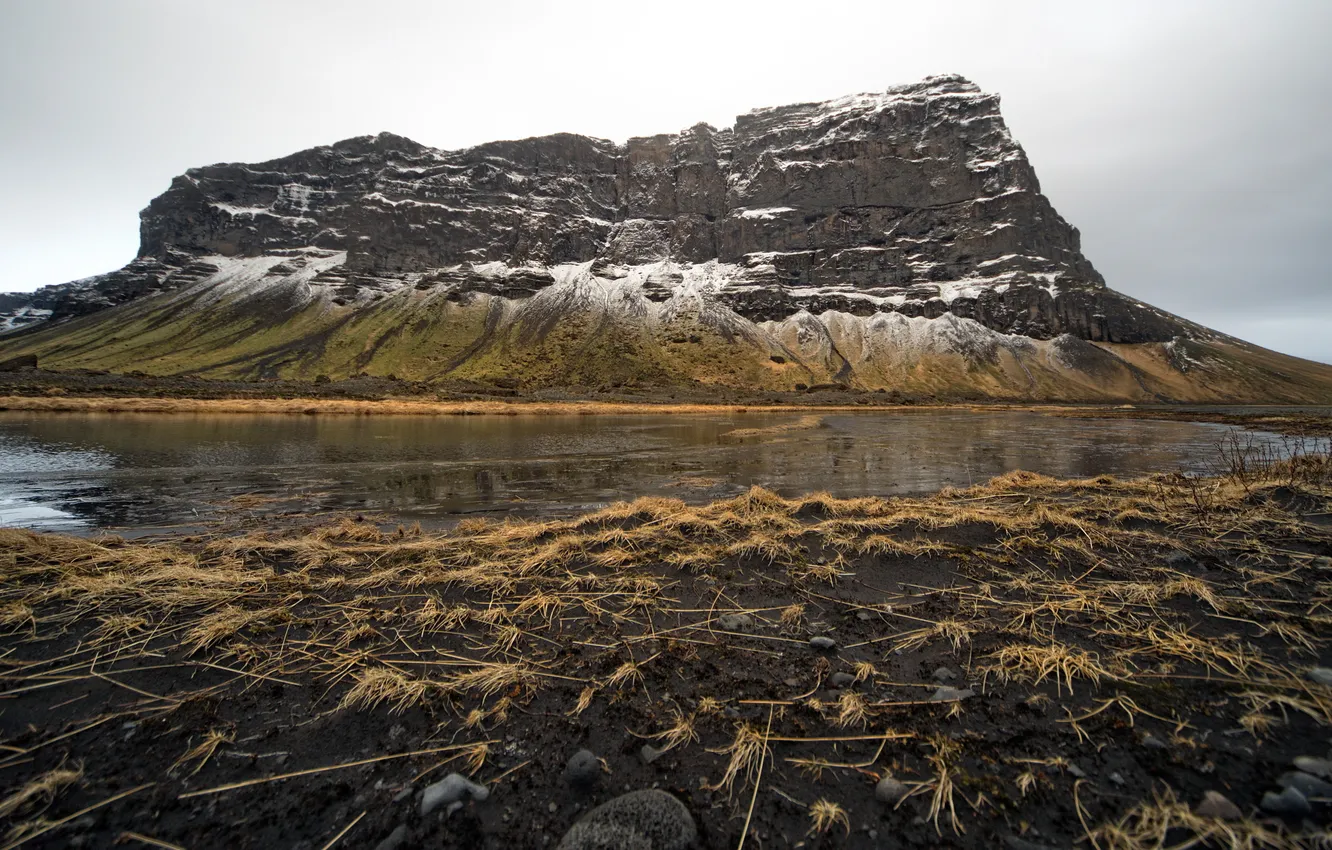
(1187, 140)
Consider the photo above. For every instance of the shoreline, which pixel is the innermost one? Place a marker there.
(1291, 420)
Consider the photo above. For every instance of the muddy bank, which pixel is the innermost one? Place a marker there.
(1028, 663)
(93, 384)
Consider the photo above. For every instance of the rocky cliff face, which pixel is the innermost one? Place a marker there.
(782, 232)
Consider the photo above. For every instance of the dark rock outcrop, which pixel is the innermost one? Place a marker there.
(915, 200)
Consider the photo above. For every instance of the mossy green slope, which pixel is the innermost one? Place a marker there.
(284, 331)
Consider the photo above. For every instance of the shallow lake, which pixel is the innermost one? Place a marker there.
(75, 472)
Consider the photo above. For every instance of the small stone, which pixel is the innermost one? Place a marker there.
(1322, 768)
(822, 642)
(864, 616)
(1178, 558)
(1309, 786)
(735, 622)
(454, 788)
(792, 683)
(889, 790)
(649, 753)
(1289, 802)
(841, 679)
(949, 694)
(1152, 742)
(583, 769)
(1116, 778)
(1076, 772)
(1217, 805)
(640, 820)
(944, 674)
(1321, 675)
(553, 808)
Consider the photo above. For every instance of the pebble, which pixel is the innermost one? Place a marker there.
(1178, 558)
(1321, 675)
(452, 789)
(1309, 786)
(553, 808)
(943, 674)
(1116, 778)
(822, 642)
(1152, 742)
(949, 694)
(1322, 768)
(842, 679)
(735, 622)
(864, 616)
(889, 790)
(1289, 802)
(640, 820)
(1217, 805)
(1076, 772)
(649, 754)
(583, 768)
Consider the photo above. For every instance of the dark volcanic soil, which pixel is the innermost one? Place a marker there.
(1128, 646)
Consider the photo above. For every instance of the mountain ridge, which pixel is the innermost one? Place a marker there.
(893, 240)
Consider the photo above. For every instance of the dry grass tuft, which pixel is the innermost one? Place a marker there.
(204, 750)
(490, 679)
(1034, 664)
(1160, 822)
(385, 686)
(39, 793)
(824, 815)
(746, 753)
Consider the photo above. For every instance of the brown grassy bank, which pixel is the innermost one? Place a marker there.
(394, 407)
(1115, 648)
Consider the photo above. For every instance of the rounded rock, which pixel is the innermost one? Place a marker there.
(735, 622)
(1321, 675)
(889, 790)
(454, 788)
(1289, 802)
(822, 642)
(944, 674)
(1322, 768)
(1217, 805)
(640, 820)
(396, 839)
(1309, 786)
(842, 679)
(947, 694)
(583, 769)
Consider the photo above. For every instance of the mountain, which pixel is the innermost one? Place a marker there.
(896, 240)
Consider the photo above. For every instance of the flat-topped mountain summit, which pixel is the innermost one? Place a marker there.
(896, 240)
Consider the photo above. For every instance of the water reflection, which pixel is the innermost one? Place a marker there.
(88, 470)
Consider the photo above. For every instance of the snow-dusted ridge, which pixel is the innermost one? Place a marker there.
(856, 233)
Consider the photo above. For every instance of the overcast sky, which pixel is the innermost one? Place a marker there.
(1191, 142)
